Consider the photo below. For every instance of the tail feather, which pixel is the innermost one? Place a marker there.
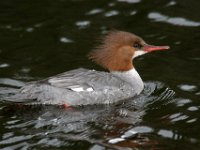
(6, 92)
(9, 90)
(12, 95)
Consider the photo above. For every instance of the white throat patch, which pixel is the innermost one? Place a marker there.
(138, 53)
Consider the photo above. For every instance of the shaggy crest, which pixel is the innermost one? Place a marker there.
(116, 51)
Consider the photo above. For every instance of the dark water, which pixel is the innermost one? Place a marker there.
(42, 38)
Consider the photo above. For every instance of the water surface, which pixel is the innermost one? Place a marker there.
(42, 38)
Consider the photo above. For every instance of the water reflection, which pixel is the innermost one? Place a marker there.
(29, 29)
(95, 11)
(181, 102)
(188, 88)
(54, 122)
(133, 12)
(166, 133)
(111, 13)
(83, 24)
(172, 20)
(4, 65)
(171, 3)
(111, 120)
(193, 108)
(178, 117)
(65, 40)
(129, 1)
(42, 43)
(192, 120)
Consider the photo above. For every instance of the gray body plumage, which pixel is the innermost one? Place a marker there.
(80, 87)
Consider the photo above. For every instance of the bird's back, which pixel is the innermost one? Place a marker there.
(75, 87)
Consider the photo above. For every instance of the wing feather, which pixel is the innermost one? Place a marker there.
(85, 79)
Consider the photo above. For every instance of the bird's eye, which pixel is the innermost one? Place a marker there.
(136, 45)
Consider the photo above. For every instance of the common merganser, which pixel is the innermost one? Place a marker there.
(83, 86)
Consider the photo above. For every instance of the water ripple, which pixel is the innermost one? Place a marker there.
(111, 13)
(164, 116)
(171, 3)
(129, 1)
(188, 88)
(95, 11)
(133, 13)
(158, 17)
(83, 24)
(65, 40)
(193, 108)
(15, 139)
(181, 102)
(166, 133)
(191, 120)
(29, 29)
(4, 65)
(178, 117)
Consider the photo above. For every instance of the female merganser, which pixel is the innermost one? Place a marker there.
(83, 86)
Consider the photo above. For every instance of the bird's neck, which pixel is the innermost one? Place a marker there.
(131, 77)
